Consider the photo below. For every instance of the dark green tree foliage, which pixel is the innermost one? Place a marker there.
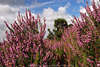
(59, 25)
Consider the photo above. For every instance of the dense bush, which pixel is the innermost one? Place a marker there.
(78, 47)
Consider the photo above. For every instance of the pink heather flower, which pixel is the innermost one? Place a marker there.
(89, 60)
(33, 65)
(70, 46)
(25, 55)
(63, 37)
(80, 43)
(44, 58)
(44, 65)
(11, 50)
(94, 9)
(98, 65)
(88, 9)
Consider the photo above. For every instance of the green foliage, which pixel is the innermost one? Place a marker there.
(59, 25)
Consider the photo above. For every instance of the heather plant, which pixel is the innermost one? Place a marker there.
(80, 42)
(24, 44)
(78, 46)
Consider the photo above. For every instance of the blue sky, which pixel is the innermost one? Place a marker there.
(72, 9)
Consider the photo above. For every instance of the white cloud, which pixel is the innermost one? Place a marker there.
(51, 15)
(6, 10)
(63, 9)
(2, 29)
(7, 13)
(82, 10)
(97, 2)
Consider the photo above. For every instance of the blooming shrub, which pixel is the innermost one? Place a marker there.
(24, 42)
(26, 47)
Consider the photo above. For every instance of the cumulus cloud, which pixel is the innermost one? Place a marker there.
(96, 1)
(6, 10)
(2, 30)
(7, 13)
(82, 10)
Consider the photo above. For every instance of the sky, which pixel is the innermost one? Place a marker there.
(50, 9)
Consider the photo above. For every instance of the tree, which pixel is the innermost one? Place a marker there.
(60, 24)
